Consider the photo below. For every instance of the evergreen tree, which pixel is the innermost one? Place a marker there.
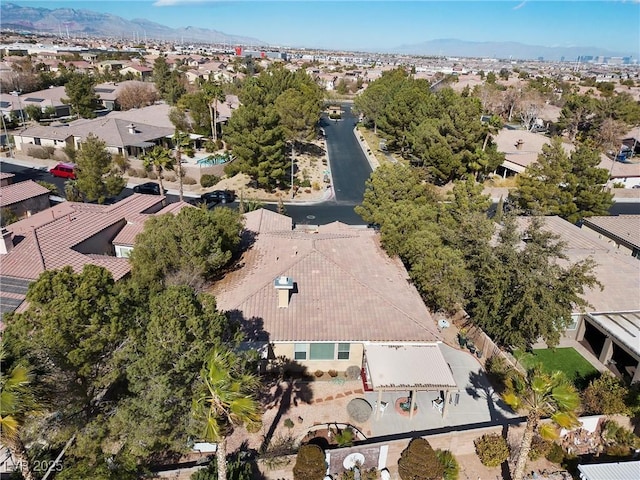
(81, 96)
(524, 293)
(97, 178)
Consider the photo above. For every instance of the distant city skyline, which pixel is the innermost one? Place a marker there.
(383, 25)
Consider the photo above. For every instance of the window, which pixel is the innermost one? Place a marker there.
(300, 351)
(343, 351)
(575, 319)
(322, 351)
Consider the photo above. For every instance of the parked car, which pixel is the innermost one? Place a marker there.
(149, 188)
(64, 170)
(211, 199)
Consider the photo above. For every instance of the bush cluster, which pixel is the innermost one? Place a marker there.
(208, 180)
(310, 463)
(492, 449)
(187, 180)
(419, 461)
(539, 448)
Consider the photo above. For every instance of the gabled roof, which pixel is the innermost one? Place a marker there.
(135, 224)
(622, 228)
(617, 271)
(18, 192)
(56, 237)
(346, 287)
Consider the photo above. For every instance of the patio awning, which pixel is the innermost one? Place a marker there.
(142, 144)
(408, 367)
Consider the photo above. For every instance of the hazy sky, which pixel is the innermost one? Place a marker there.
(349, 24)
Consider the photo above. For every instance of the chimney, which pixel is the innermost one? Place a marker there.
(7, 241)
(519, 144)
(283, 285)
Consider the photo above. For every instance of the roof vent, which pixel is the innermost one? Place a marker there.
(132, 129)
(283, 285)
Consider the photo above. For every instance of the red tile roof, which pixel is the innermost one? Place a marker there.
(21, 191)
(54, 238)
(347, 288)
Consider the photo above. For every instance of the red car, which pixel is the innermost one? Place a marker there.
(64, 170)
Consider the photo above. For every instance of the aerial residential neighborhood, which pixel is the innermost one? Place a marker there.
(268, 254)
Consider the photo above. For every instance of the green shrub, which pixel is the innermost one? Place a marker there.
(238, 468)
(555, 454)
(310, 463)
(210, 146)
(207, 180)
(449, 463)
(539, 448)
(8, 216)
(345, 437)
(305, 183)
(368, 474)
(605, 396)
(617, 450)
(419, 462)
(492, 449)
(38, 152)
(187, 180)
(288, 423)
(219, 144)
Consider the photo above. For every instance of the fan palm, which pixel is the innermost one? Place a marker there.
(542, 395)
(227, 401)
(16, 401)
(214, 94)
(159, 159)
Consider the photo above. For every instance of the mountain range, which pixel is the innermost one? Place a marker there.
(452, 47)
(82, 22)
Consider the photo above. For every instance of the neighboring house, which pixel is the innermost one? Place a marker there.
(70, 233)
(627, 174)
(50, 98)
(139, 71)
(124, 241)
(622, 231)
(122, 137)
(610, 326)
(521, 149)
(5, 178)
(24, 198)
(321, 298)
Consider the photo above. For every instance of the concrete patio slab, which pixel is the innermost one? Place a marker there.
(477, 403)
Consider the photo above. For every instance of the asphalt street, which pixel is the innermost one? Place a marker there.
(349, 169)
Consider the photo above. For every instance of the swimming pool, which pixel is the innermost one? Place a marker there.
(217, 159)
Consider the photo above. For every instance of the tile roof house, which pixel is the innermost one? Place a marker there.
(24, 198)
(70, 233)
(121, 136)
(521, 149)
(623, 231)
(320, 297)
(611, 323)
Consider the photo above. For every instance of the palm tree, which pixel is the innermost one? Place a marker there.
(160, 159)
(227, 401)
(181, 142)
(213, 93)
(543, 395)
(16, 401)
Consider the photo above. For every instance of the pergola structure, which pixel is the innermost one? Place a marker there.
(418, 367)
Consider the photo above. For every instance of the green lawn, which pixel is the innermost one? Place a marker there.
(567, 360)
